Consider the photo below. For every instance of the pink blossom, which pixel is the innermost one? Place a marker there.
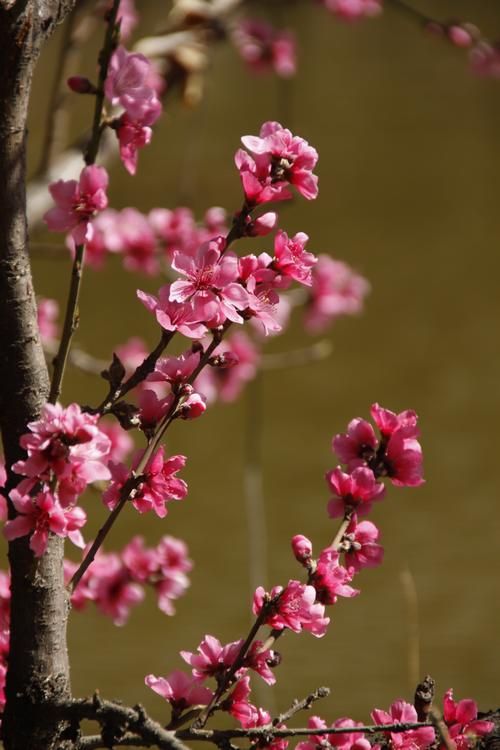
(353, 10)
(237, 701)
(331, 579)
(389, 422)
(171, 315)
(132, 354)
(291, 258)
(175, 370)
(193, 407)
(3, 481)
(113, 591)
(403, 713)
(264, 48)
(345, 741)
(315, 741)
(262, 660)
(403, 460)
(295, 608)
(177, 230)
(121, 443)
(174, 563)
(259, 717)
(126, 80)
(263, 306)
(152, 409)
(357, 490)
(360, 545)
(47, 314)
(459, 36)
(135, 133)
(77, 203)
(3, 680)
(142, 563)
(4, 602)
(128, 18)
(485, 59)
(105, 239)
(40, 515)
(402, 457)
(180, 690)
(261, 225)
(357, 445)
(234, 364)
(212, 658)
(210, 284)
(278, 159)
(463, 725)
(138, 242)
(302, 548)
(158, 487)
(336, 290)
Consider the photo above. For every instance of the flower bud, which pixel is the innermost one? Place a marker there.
(81, 85)
(262, 225)
(302, 548)
(459, 36)
(193, 407)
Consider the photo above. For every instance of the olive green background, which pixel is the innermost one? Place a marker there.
(409, 145)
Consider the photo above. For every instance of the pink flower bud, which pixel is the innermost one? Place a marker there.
(193, 407)
(80, 85)
(459, 36)
(262, 225)
(302, 548)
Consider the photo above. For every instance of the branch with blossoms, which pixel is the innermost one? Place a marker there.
(211, 290)
(180, 59)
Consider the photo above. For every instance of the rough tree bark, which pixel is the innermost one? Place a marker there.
(38, 672)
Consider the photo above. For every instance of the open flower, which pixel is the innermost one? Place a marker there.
(77, 202)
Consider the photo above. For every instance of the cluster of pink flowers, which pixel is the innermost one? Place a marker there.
(66, 451)
(397, 454)
(115, 582)
(128, 85)
(301, 606)
(264, 48)
(348, 741)
(148, 241)
(276, 160)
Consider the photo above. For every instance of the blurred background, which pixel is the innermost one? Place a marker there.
(409, 147)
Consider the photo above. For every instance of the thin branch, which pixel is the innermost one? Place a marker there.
(137, 377)
(237, 664)
(216, 735)
(409, 10)
(70, 326)
(131, 486)
(303, 705)
(71, 316)
(337, 540)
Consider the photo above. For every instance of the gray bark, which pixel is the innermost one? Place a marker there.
(38, 673)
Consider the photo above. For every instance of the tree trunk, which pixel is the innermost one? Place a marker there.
(38, 672)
